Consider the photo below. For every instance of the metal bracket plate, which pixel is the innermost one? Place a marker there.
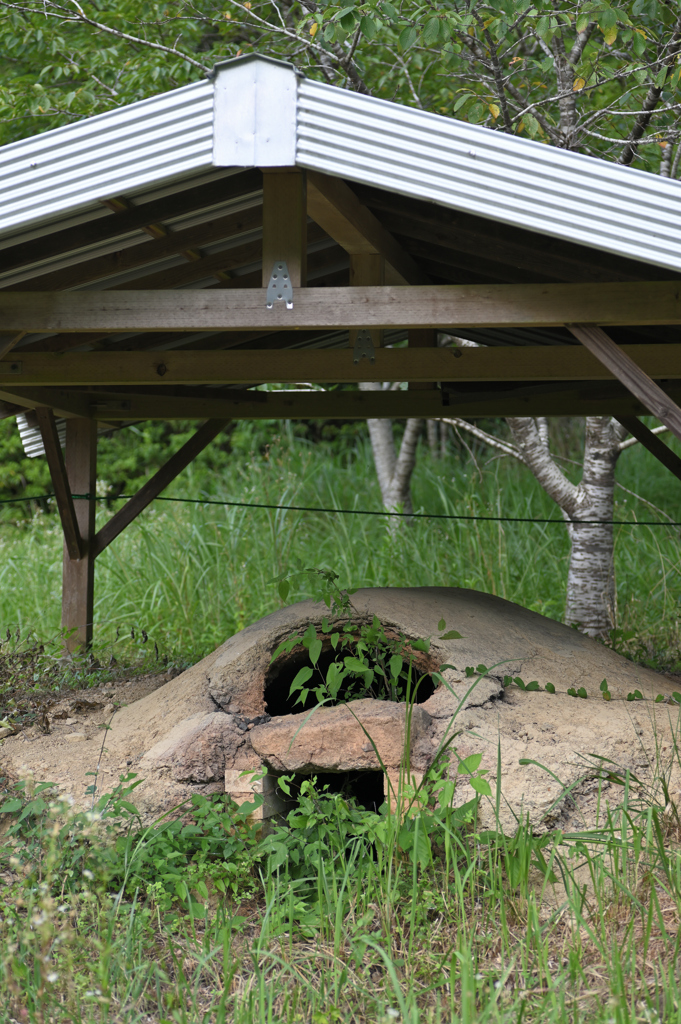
(280, 288)
(364, 347)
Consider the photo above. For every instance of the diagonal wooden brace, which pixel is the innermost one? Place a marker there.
(652, 442)
(152, 488)
(630, 374)
(60, 482)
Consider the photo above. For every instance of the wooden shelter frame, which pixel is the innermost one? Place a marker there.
(176, 329)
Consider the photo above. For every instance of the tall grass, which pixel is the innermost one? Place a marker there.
(193, 574)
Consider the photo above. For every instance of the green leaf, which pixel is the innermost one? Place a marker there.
(315, 650)
(301, 678)
(369, 27)
(581, 692)
(533, 686)
(451, 635)
(441, 624)
(395, 664)
(572, 692)
(389, 11)
(607, 695)
(659, 698)
(677, 696)
(407, 37)
(661, 77)
(11, 807)
(284, 588)
(469, 764)
(604, 686)
(431, 32)
(481, 786)
(550, 688)
(353, 664)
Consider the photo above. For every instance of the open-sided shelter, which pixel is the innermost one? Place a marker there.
(160, 260)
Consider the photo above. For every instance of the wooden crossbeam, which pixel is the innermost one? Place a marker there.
(652, 442)
(443, 306)
(60, 481)
(334, 206)
(239, 366)
(631, 372)
(590, 399)
(159, 481)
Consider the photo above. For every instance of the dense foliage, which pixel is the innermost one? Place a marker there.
(581, 74)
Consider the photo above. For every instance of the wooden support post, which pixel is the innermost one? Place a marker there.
(426, 338)
(78, 574)
(153, 487)
(652, 442)
(630, 374)
(284, 224)
(367, 268)
(60, 482)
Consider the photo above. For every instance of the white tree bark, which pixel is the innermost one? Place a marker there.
(394, 471)
(591, 595)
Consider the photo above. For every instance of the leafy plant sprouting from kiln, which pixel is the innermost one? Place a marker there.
(367, 660)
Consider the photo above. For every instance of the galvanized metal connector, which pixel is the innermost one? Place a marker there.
(364, 347)
(280, 288)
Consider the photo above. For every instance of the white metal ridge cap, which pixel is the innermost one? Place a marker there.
(394, 118)
(255, 104)
(111, 120)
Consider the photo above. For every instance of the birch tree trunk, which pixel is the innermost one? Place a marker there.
(591, 597)
(394, 470)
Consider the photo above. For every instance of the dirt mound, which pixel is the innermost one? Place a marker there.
(193, 732)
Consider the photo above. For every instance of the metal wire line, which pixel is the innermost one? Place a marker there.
(361, 511)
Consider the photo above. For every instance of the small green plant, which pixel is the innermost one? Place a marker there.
(367, 661)
(604, 690)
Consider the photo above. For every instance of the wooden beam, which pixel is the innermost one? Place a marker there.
(652, 442)
(629, 371)
(422, 339)
(134, 256)
(284, 224)
(7, 344)
(590, 399)
(516, 247)
(366, 268)
(334, 206)
(60, 481)
(159, 481)
(443, 306)
(78, 574)
(201, 197)
(281, 366)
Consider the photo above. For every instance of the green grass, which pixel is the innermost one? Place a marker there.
(425, 920)
(191, 575)
(340, 915)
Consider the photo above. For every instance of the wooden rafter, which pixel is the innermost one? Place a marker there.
(334, 206)
(59, 243)
(442, 306)
(136, 256)
(631, 372)
(240, 366)
(60, 481)
(652, 442)
(153, 487)
(468, 233)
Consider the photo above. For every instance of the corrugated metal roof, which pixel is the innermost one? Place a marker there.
(489, 173)
(171, 137)
(73, 168)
